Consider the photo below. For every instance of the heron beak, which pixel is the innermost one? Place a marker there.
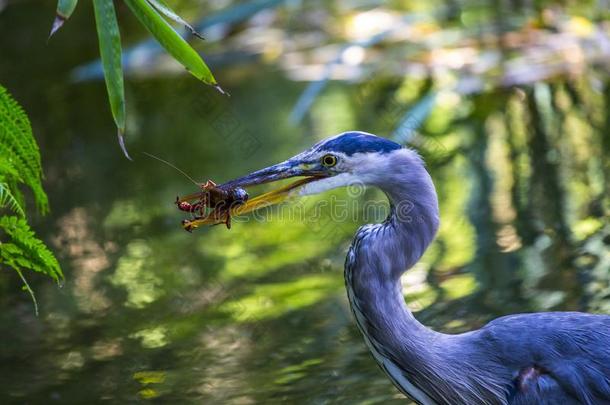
(270, 174)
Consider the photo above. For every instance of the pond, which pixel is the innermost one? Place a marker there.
(258, 313)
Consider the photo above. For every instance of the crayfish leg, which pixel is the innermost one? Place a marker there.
(208, 184)
(228, 221)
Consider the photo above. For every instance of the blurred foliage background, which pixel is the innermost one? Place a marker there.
(511, 99)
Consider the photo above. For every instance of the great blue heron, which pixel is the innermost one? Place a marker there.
(554, 358)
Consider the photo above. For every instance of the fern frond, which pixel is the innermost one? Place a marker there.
(25, 250)
(20, 164)
(7, 168)
(19, 147)
(12, 185)
(8, 176)
(19, 121)
(18, 117)
(8, 200)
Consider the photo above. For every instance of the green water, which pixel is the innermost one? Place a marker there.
(258, 314)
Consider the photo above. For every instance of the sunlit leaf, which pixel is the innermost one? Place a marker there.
(164, 9)
(110, 50)
(172, 41)
(65, 8)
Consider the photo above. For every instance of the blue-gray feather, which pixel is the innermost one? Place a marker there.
(541, 358)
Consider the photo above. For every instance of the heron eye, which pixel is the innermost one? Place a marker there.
(329, 160)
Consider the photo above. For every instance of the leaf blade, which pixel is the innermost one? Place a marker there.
(109, 38)
(64, 10)
(164, 9)
(173, 43)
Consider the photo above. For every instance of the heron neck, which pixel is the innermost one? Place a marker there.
(398, 243)
(379, 255)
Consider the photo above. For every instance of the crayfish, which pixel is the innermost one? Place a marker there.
(211, 202)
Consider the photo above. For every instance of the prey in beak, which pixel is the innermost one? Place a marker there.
(216, 204)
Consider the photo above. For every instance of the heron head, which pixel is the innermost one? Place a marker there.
(347, 158)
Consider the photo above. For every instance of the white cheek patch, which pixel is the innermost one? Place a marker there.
(319, 186)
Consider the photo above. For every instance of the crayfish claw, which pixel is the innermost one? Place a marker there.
(186, 224)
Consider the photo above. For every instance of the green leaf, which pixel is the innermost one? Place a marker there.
(65, 8)
(20, 164)
(25, 250)
(18, 150)
(171, 41)
(109, 39)
(164, 9)
(8, 169)
(8, 200)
